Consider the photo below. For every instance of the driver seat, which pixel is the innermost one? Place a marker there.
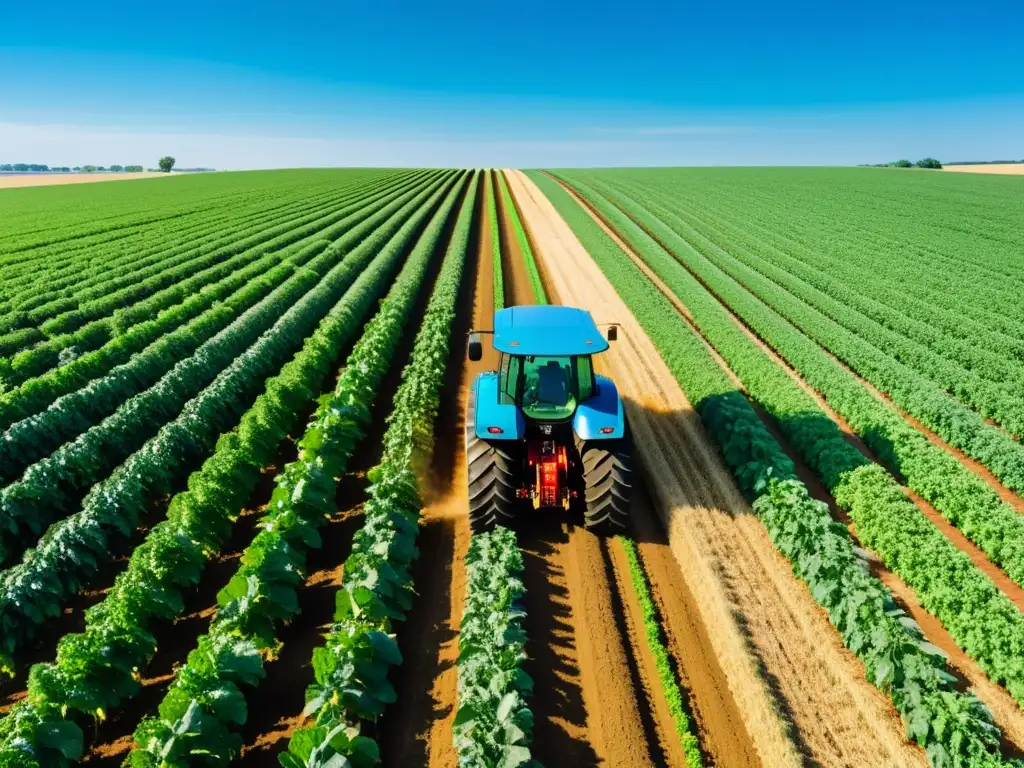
(552, 388)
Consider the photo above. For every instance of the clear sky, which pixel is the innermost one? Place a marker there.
(531, 83)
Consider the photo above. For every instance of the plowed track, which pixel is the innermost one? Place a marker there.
(773, 644)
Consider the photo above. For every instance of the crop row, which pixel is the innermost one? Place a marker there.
(970, 381)
(262, 593)
(60, 214)
(524, 242)
(956, 492)
(981, 619)
(654, 637)
(911, 373)
(194, 273)
(51, 487)
(93, 272)
(128, 309)
(70, 550)
(87, 678)
(946, 332)
(493, 724)
(32, 438)
(231, 294)
(351, 667)
(954, 728)
(102, 271)
(133, 328)
(48, 272)
(838, 240)
(97, 268)
(492, 216)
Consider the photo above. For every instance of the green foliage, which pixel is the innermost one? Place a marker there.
(907, 541)
(166, 163)
(72, 548)
(95, 671)
(351, 667)
(523, 240)
(194, 724)
(928, 162)
(493, 725)
(666, 675)
(954, 728)
(902, 164)
(492, 216)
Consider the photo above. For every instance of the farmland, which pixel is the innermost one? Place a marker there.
(234, 491)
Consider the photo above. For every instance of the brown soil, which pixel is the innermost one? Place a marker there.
(51, 179)
(776, 647)
(1011, 169)
(1007, 714)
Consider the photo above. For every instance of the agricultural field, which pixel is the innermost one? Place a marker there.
(234, 489)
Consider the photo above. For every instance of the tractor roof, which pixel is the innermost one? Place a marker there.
(547, 331)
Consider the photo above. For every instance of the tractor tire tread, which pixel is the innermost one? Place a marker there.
(608, 483)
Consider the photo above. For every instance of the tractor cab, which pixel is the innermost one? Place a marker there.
(546, 387)
(541, 413)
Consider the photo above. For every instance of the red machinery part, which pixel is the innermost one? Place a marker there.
(551, 462)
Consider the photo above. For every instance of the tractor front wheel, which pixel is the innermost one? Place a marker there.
(492, 480)
(608, 483)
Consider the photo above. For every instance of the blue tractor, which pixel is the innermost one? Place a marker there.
(544, 431)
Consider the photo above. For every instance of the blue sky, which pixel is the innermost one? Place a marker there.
(259, 84)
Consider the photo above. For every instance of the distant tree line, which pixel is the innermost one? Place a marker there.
(928, 162)
(26, 167)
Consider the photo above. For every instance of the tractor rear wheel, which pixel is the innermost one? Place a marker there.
(491, 475)
(608, 483)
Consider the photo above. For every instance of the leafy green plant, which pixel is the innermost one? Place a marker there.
(523, 240)
(492, 216)
(666, 675)
(262, 593)
(948, 584)
(95, 671)
(139, 328)
(378, 589)
(493, 725)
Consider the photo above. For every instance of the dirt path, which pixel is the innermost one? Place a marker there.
(591, 670)
(774, 644)
(1011, 169)
(1008, 715)
(13, 181)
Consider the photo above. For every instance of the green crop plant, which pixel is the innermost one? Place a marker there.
(524, 242)
(205, 704)
(351, 668)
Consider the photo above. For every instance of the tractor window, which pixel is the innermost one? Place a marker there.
(508, 378)
(549, 390)
(584, 377)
